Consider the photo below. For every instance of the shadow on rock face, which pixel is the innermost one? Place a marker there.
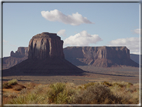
(45, 57)
(54, 66)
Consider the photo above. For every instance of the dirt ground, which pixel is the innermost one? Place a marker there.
(92, 74)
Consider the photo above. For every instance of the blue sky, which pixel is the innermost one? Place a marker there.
(78, 24)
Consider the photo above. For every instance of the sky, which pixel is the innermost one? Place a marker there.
(78, 24)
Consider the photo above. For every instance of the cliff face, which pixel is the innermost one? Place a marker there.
(15, 58)
(99, 56)
(45, 57)
(21, 52)
(45, 45)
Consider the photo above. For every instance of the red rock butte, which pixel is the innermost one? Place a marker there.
(45, 57)
(45, 45)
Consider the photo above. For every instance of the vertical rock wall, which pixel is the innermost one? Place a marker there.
(99, 56)
(45, 45)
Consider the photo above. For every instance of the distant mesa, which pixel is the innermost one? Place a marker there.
(15, 58)
(99, 56)
(21, 52)
(45, 57)
(49, 46)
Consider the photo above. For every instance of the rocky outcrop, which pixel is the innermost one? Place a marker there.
(78, 56)
(45, 57)
(45, 45)
(21, 52)
(99, 56)
(11, 61)
(15, 58)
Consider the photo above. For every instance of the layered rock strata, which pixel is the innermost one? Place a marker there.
(99, 56)
(45, 57)
(45, 45)
(15, 57)
(21, 52)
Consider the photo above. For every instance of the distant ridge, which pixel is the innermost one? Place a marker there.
(23, 55)
(102, 56)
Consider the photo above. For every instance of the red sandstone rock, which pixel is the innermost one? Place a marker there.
(45, 57)
(45, 45)
(21, 52)
(99, 56)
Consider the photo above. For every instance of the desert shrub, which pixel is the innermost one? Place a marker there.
(23, 91)
(68, 93)
(118, 84)
(35, 96)
(10, 94)
(129, 85)
(97, 94)
(106, 83)
(9, 83)
(5, 85)
(12, 82)
(61, 93)
(30, 85)
(18, 100)
(55, 89)
(88, 85)
(66, 97)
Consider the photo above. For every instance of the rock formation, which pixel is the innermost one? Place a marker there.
(21, 52)
(45, 45)
(15, 58)
(76, 56)
(99, 56)
(45, 57)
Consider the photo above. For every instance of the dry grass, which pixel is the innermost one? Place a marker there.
(69, 93)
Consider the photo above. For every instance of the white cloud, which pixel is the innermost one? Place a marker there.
(137, 31)
(82, 39)
(61, 32)
(132, 44)
(56, 15)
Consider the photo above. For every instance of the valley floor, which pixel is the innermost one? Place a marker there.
(92, 74)
(120, 80)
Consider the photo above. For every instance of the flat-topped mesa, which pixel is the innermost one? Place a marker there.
(102, 56)
(98, 52)
(45, 45)
(112, 52)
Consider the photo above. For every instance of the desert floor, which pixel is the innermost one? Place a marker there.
(92, 74)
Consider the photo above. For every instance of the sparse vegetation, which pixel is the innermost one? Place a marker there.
(12, 82)
(69, 93)
(9, 83)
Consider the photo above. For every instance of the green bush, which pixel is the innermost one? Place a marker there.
(66, 97)
(9, 83)
(68, 93)
(129, 85)
(88, 85)
(98, 94)
(55, 90)
(61, 93)
(118, 84)
(36, 96)
(12, 82)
